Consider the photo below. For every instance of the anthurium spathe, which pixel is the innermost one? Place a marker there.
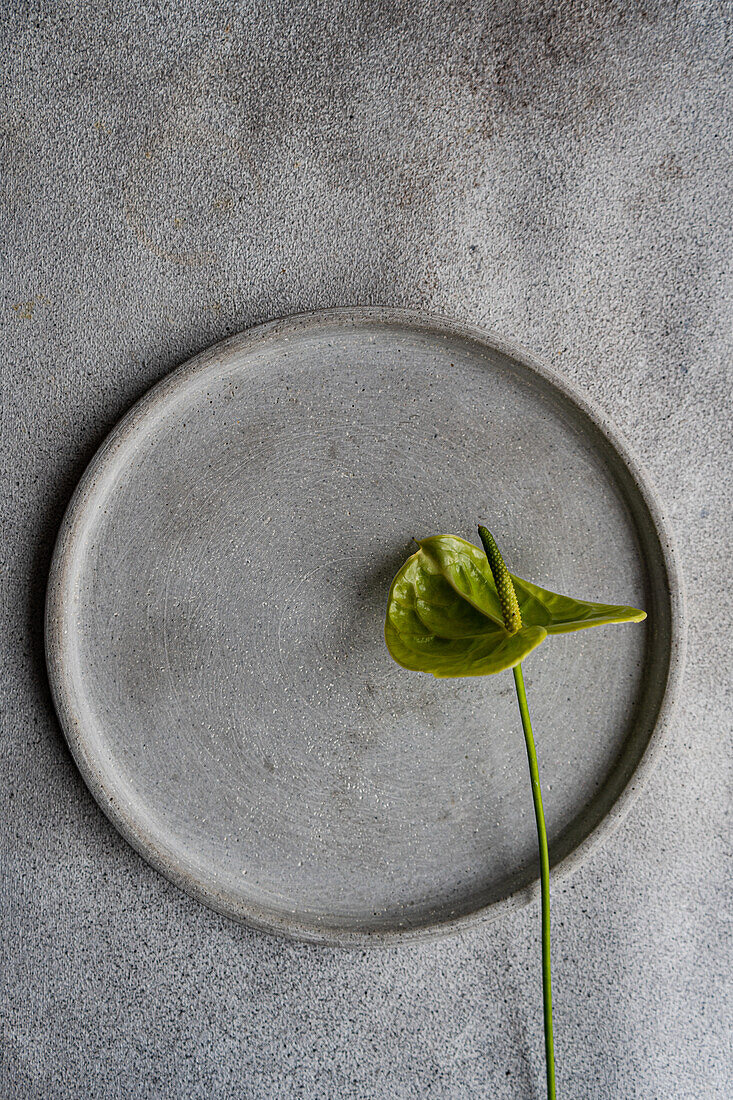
(444, 613)
(454, 610)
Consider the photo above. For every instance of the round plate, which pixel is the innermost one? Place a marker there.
(215, 626)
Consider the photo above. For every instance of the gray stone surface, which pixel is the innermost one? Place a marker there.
(176, 173)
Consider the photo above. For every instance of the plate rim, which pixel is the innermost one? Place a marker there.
(57, 607)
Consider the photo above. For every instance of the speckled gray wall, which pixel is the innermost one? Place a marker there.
(176, 172)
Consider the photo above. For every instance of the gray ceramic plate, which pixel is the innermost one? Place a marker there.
(215, 616)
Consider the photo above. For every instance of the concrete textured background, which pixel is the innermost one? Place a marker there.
(176, 172)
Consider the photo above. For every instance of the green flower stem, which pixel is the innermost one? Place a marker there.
(544, 877)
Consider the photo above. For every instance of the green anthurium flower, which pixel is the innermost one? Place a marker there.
(455, 610)
(445, 614)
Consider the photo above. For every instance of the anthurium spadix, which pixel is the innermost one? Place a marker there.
(454, 610)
